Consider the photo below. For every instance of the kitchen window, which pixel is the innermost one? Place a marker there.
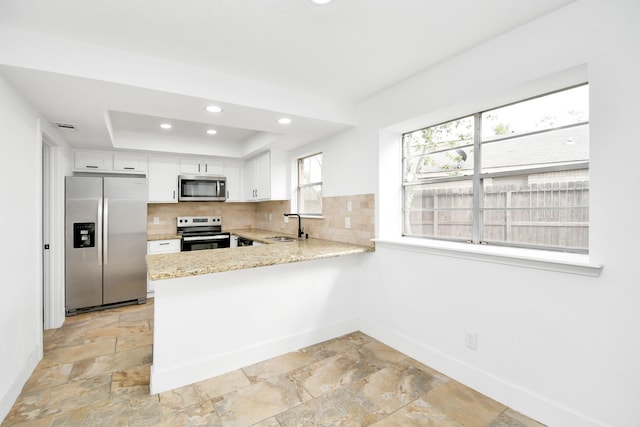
(310, 185)
(516, 175)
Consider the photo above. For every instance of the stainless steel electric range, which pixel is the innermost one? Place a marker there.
(202, 232)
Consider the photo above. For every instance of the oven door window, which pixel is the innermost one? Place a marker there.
(199, 244)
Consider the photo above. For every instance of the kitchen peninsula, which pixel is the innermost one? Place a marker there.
(218, 310)
(175, 265)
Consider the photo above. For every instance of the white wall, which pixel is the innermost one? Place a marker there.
(561, 348)
(558, 347)
(20, 257)
(210, 324)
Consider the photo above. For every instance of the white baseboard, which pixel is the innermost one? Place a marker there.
(220, 364)
(9, 398)
(515, 397)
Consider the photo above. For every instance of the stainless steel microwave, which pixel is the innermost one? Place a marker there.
(202, 188)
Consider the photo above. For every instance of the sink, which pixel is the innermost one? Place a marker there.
(281, 239)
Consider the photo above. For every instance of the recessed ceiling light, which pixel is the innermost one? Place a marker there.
(321, 2)
(211, 131)
(284, 121)
(165, 126)
(213, 109)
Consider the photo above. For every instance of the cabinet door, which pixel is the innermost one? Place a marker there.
(250, 179)
(163, 180)
(130, 163)
(201, 166)
(232, 173)
(263, 176)
(190, 166)
(212, 167)
(89, 161)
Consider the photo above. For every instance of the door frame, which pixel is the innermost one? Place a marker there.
(53, 225)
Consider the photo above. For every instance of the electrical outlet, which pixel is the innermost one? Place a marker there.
(156, 220)
(471, 340)
(269, 217)
(347, 222)
(286, 220)
(349, 206)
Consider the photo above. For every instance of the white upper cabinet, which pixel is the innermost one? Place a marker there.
(93, 161)
(266, 177)
(129, 163)
(110, 161)
(191, 166)
(163, 180)
(234, 188)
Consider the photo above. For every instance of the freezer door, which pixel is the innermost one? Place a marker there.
(125, 239)
(83, 263)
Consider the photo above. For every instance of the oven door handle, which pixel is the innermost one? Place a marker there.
(203, 238)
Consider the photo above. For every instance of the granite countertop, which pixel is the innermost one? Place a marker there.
(153, 237)
(258, 235)
(183, 264)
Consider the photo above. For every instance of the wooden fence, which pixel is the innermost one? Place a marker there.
(542, 214)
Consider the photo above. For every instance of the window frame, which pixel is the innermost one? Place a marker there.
(300, 186)
(477, 177)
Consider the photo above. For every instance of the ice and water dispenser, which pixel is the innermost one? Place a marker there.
(84, 234)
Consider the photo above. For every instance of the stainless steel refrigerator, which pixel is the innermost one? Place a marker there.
(106, 242)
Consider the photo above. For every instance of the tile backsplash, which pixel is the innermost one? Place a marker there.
(270, 216)
(332, 225)
(234, 215)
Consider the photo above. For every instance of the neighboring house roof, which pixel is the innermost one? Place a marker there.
(544, 149)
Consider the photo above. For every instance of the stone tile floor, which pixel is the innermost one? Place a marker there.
(95, 372)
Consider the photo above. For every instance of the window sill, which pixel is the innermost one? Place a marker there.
(529, 258)
(311, 216)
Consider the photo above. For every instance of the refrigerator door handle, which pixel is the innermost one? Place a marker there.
(99, 232)
(105, 220)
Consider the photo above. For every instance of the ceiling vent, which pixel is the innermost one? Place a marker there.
(67, 126)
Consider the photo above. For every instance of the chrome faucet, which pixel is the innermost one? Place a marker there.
(300, 232)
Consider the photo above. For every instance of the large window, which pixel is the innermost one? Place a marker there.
(310, 185)
(515, 175)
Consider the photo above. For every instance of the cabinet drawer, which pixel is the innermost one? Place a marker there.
(163, 246)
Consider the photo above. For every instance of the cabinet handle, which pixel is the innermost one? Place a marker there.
(129, 168)
(206, 168)
(163, 244)
(198, 167)
(91, 167)
(174, 195)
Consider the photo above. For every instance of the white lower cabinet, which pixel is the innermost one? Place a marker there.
(160, 247)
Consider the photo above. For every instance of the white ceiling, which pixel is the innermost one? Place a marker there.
(259, 59)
